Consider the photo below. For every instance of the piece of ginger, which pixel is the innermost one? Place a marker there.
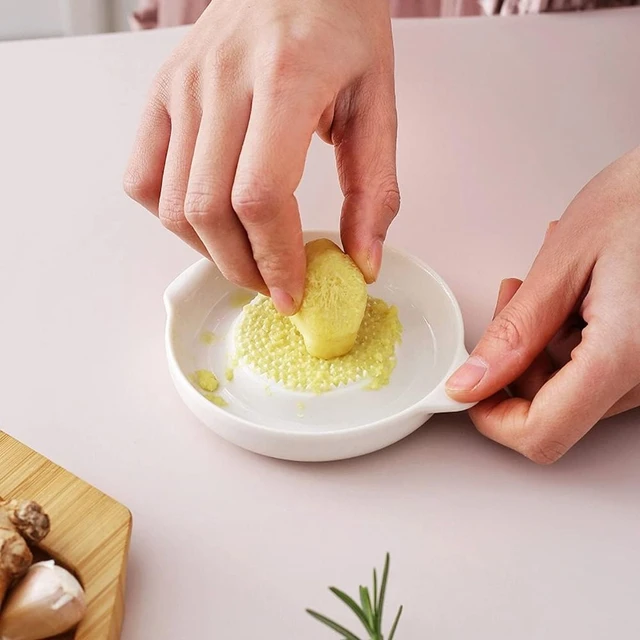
(206, 380)
(334, 301)
(21, 521)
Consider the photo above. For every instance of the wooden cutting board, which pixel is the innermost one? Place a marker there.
(90, 532)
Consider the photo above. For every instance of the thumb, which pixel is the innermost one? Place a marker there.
(524, 327)
(365, 142)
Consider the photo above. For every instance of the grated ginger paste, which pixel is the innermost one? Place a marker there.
(208, 337)
(269, 344)
(207, 382)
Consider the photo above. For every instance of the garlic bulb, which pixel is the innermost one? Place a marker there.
(48, 601)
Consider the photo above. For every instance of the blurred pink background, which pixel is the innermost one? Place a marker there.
(166, 13)
(20, 20)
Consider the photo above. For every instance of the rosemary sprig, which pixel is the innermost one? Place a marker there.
(369, 611)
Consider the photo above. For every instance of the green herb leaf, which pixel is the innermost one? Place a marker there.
(369, 614)
(365, 599)
(333, 625)
(375, 589)
(383, 588)
(351, 603)
(395, 624)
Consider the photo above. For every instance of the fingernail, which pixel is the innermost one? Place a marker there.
(468, 376)
(283, 302)
(375, 259)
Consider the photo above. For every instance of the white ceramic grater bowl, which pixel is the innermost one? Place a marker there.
(343, 423)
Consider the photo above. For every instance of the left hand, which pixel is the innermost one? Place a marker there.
(566, 341)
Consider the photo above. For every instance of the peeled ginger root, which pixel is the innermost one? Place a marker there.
(334, 302)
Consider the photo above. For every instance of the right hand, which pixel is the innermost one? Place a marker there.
(224, 137)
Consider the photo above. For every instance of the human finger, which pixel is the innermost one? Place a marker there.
(207, 202)
(143, 175)
(185, 119)
(365, 144)
(269, 170)
(520, 332)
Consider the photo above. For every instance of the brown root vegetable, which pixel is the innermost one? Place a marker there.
(15, 559)
(28, 517)
(21, 521)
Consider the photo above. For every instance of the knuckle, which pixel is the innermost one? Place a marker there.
(254, 203)
(507, 329)
(221, 63)
(138, 186)
(287, 51)
(199, 206)
(391, 202)
(286, 56)
(598, 363)
(171, 211)
(161, 85)
(284, 62)
(275, 268)
(184, 85)
(179, 226)
(623, 352)
(544, 451)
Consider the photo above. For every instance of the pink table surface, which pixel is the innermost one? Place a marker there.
(502, 121)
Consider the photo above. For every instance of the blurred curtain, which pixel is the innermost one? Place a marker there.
(168, 13)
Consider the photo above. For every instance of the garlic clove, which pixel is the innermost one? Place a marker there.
(48, 601)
